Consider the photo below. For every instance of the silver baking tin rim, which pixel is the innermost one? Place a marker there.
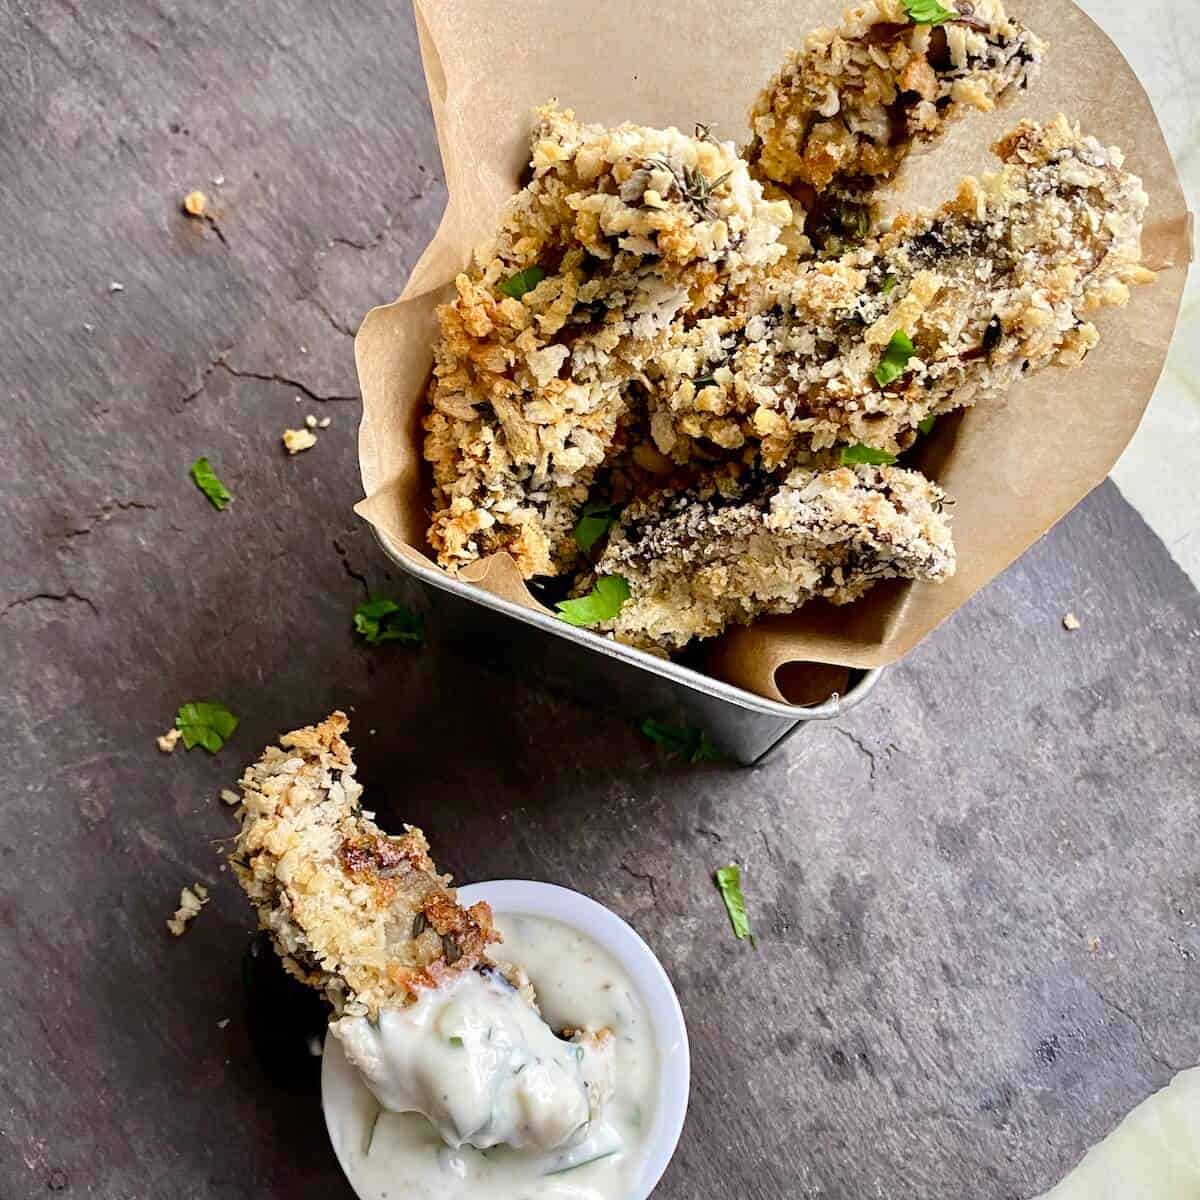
(682, 676)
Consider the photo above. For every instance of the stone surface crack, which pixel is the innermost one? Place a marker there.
(378, 238)
(70, 596)
(709, 833)
(323, 309)
(1120, 1010)
(861, 747)
(344, 555)
(105, 511)
(283, 380)
(643, 877)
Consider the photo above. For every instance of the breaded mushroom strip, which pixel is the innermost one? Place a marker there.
(843, 113)
(998, 283)
(619, 234)
(361, 916)
(735, 549)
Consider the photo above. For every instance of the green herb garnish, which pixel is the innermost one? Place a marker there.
(523, 281)
(602, 603)
(925, 424)
(889, 282)
(895, 358)
(692, 184)
(854, 220)
(729, 882)
(205, 723)
(683, 741)
(859, 455)
(593, 524)
(205, 478)
(703, 381)
(928, 12)
(456, 1041)
(383, 620)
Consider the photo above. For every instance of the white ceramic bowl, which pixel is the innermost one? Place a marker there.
(348, 1105)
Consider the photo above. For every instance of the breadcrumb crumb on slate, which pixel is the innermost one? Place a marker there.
(296, 440)
(739, 548)
(191, 901)
(168, 741)
(1071, 622)
(358, 914)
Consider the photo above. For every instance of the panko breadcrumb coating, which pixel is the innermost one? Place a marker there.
(358, 914)
(844, 112)
(659, 325)
(996, 284)
(633, 229)
(736, 548)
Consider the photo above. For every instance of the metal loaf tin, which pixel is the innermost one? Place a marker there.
(603, 674)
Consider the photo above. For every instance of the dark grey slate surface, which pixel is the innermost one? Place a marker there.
(977, 897)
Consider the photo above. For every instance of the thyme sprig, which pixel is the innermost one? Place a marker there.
(694, 187)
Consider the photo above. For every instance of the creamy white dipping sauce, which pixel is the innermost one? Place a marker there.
(579, 985)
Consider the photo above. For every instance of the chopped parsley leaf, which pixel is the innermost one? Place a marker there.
(683, 741)
(602, 603)
(860, 455)
(928, 12)
(729, 882)
(593, 524)
(205, 478)
(205, 723)
(523, 281)
(381, 619)
(895, 358)
(925, 424)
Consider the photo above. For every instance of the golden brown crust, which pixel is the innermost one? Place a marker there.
(361, 915)
(842, 114)
(734, 548)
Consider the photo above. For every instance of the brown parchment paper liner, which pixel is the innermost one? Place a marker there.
(1014, 467)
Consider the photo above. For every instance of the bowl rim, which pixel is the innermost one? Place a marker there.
(528, 897)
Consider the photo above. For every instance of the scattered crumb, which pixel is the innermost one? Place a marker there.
(194, 204)
(299, 399)
(303, 350)
(325, 422)
(218, 181)
(167, 742)
(314, 1046)
(89, 327)
(223, 1022)
(372, 732)
(310, 421)
(1071, 621)
(1094, 944)
(299, 439)
(116, 287)
(191, 901)
(230, 796)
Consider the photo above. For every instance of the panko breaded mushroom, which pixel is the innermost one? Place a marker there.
(362, 916)
(737, 548)
(998, 283)
(618, 236)
(842, 114)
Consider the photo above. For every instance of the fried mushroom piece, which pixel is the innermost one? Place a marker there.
(842, 114)
(619, 234)
(998, 283)
(362, 916)
(737, 548)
